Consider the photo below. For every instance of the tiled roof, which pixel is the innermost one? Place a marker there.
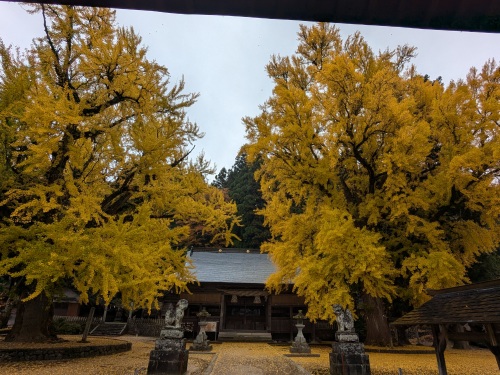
(67, 295)
(232, 266)
(476, 303)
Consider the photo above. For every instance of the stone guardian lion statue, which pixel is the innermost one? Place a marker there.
(345, 321)
(179, 312)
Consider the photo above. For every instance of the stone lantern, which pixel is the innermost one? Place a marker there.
(300, 345)
(203, 314)
(201, 342)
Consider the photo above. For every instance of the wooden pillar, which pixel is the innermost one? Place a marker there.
(493, 342)
(269, 303)
(439, 333)
(222, 311)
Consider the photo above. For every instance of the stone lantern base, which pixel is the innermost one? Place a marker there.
(300, 345)
(201, 342)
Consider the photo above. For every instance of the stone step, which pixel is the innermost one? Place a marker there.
(260, 336)
(109, 329)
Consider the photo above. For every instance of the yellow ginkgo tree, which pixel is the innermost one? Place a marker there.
(379, 183)
(98, 190)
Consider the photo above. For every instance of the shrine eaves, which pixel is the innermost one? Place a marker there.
(463, 15)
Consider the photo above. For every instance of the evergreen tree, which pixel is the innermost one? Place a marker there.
(241, 187)
(486, 268)
(220, 180)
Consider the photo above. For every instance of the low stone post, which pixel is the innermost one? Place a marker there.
(131, 310)
(300, 345)
(201, 342)
(170, 356)
(105, 313)
(348, 354)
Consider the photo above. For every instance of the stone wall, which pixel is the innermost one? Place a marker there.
(14, 355)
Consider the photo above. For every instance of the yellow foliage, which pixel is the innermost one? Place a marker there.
(101, 189)
(372, 173)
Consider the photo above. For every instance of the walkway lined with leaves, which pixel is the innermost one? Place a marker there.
(253, 359)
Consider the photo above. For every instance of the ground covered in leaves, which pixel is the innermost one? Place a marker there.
(250, 359)
(458, 362)
(133, 362)
(65, 341)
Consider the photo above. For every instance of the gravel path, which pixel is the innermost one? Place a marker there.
(253, 359)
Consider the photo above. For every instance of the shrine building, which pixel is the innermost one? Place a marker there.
(232, 289)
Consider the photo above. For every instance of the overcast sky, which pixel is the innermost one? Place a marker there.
(223, 58)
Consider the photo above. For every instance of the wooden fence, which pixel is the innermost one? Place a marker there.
(78, 319)
(152, 327)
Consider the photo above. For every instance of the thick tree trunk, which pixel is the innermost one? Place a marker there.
(33, 321)
(377, 329)
(402, 336)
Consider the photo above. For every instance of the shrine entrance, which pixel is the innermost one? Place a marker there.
(245, 313)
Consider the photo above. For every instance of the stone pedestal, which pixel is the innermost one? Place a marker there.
(300, 344)
(170, 356)
(201, 342)
(348, 356)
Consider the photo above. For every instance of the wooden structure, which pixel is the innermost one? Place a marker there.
(465, 15)
(477, 306)
(67, 303)
(232, 290)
